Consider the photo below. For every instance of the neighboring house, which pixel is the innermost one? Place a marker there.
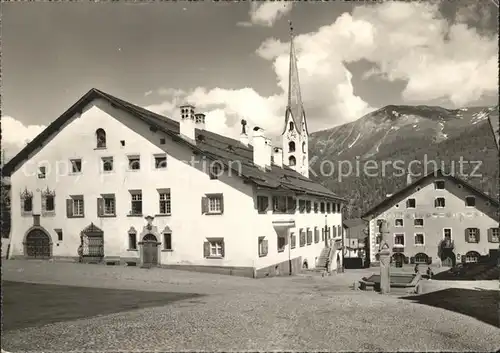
(110, 181)
(355, 235)
(438, 219)
(493, 118)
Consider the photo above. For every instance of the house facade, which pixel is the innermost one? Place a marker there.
(439, 219)
(355, 235)
(109, 181)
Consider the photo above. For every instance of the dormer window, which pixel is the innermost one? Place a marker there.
(291, 146)
(100, 135)
(291, 126)
(439, 184)
(292, 161)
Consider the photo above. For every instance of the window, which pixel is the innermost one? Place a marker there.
(302, 206)
(76, 165)
(328, 205)
(106, 205)
(281, 243)
(309, 236)
(215, 170)
(167, 241)
(419, 239)
(411, 203)
(41, 173)
(291, 146)
(439, 202)
(471, 257)
(75, 206)
(493, 235)
(292, 161)
(122, 142)
(302, 239)
(48, 201)
(472, 235)
(421, 258)
(290, 126)
(263, 246)
(107, 164)
(134, 163)
(293, 240)
(136, 202)
(59, 233)
(212, 204)
(165, 202)
(399, 239)
(308, 206)
(316, 207)
(214, 248)
(418, 222)
(316, 235)
(284, 204)
(322, 234)
(132, 239)
(262, 204)
(470, 201)
(162, 141)
(439, 185)
(100, 135)
(378, 238)
(161, 161)
(322, 207)
(303, 147)
(398, 222)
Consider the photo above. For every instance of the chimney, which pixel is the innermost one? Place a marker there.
(199, 121)
(244, 135)
(187, 124)
(269, 152)
(278, 156)
(261, 155)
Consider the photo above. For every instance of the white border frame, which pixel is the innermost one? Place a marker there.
(451, 232)
(394, 239)
(415, 236)
(439, 197)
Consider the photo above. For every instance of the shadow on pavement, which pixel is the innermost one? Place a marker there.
(32, 304)
(479, 304)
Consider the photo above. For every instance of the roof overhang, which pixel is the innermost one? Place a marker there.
(284, 223)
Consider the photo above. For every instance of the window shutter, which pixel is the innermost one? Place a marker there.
(222, 250)
(334, 230)
(478, 235)
(221, 203)
(466, 234)
(204, 207)
(69, 208)
(265, 203)
(412, 260)
(83, 207)
(436, 203)
(100, 207)
(429, 260)
(291, 203)
(206, 249)
(339, 231)
(490, 235)
(265, 247)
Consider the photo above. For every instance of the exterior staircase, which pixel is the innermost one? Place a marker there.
(325, 255)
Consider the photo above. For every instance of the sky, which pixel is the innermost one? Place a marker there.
(231, 59)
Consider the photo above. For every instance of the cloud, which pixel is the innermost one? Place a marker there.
(266, 14)
(406, 41)
(15, 135)
(148, 93)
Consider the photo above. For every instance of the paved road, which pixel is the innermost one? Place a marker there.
(290, 313)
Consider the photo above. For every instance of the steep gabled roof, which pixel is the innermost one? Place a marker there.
(209, 144)
(437, 173)
(494, 123)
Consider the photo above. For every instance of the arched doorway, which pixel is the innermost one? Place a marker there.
(91, 244)
(38, 244)
(472, 257)
(399, 259)
(149, 250)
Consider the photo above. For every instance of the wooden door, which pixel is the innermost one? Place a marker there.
(150, 250)
(38, 244)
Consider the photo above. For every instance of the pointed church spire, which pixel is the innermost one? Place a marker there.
(294, 97)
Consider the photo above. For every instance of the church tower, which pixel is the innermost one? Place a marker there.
(295, 136)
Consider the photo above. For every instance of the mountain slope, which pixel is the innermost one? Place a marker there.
(392, 137)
